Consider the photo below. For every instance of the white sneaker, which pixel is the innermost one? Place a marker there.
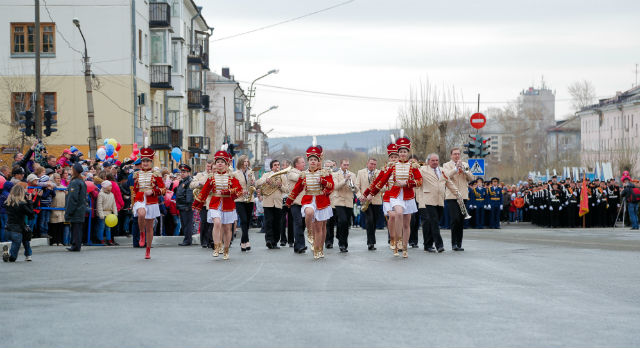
(28, 258)
(5, 253)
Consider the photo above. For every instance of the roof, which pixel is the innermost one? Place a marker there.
(195, 6)
(630, 95)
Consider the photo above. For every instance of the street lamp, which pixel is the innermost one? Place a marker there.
(252, 90)
(93, 146)
(269, 109)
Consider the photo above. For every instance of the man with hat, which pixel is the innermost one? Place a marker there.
(495, 201)
(76, 206)
(184, 200)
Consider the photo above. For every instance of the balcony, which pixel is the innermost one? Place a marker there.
(194, 99)
(160, 76)
(198, 55)
(205, 102)
(199, 144)
(160, 137)
(165, 138)
(159, 15)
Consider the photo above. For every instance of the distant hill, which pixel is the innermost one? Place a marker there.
(358, 141)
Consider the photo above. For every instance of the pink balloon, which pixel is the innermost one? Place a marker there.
(135, 146)
(167, 197)
(118, 163)
(101, 147)
(2, 181)
(90, 186)
(176, 183)
(132, 157)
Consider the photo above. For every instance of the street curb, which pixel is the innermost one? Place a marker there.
(157, 240)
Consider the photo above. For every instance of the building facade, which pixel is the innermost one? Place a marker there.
(610, 132)
(133, 64)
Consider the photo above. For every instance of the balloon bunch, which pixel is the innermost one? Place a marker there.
(109, 150)
(134, 152)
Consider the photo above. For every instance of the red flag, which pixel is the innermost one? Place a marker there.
(584, 198)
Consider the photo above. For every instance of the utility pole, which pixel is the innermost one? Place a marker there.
(93, 147)
(38, 112)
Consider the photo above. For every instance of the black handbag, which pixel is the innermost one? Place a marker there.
(27, 233)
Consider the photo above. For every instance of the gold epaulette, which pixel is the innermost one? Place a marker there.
(415, 165)
(303, 175)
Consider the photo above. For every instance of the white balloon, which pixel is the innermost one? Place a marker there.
(102, 154)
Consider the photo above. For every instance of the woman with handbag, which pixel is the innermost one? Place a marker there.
(18, 206)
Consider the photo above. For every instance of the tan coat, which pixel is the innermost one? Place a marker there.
(106, 205)
(274, 199)
(197, 182)
(362, 183)
(250, 181)
(57, 216)
(433, 189)
(292, 179)
(343, 194)
(460, 180)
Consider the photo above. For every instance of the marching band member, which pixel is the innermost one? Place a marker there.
(224, 189)
(364, 179)
(392, 152)
(299, 246)
(404, 176)
(271, 187)
(344, 190)
(316, 206)
(460, 175)
(244, 203)
(147, 187)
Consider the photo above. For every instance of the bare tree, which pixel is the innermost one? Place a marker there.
(432, 119)
(582, 94)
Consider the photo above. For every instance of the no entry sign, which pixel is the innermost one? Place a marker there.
(478, 120)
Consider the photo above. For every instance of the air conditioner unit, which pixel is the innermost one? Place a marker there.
(142, 99)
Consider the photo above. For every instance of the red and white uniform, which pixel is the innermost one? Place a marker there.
(144, 180)
(223, 188)
(392, 149)
(394, 172)
(317, 186)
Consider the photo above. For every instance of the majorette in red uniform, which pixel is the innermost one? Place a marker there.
(223, 188)
(403, 176)
(316, 206)
(147, 187)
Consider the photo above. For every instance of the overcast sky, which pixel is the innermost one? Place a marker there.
(380, 48)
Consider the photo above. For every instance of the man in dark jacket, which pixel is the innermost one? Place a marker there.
(184, 199)
(21, 160)
(76, 207)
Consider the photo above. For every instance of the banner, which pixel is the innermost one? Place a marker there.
(584, 198)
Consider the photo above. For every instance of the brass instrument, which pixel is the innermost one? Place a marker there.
(268, 189)
(459, 199)
(249, 195)
(365, 205)
(351, 185)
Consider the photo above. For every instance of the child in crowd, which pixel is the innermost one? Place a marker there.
(106, 205)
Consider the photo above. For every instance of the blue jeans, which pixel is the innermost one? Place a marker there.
(32, 223)
(512, 216)
(3, 227)
(66, 235)
(176, 221)
(102, 230)
(16, 239)
(519, 214)
(633, 214)
(126, 218)
(43, 222)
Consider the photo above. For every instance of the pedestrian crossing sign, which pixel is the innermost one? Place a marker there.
(476, 166)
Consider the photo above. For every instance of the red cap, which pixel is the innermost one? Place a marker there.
(392, 149)
(66, 152)
(223, 155)
(314, 151)
(403, 143)
(147, 153)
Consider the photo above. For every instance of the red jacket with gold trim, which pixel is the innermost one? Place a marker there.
(319, 185)
(390, 176)
(223, 191)
(147, 180)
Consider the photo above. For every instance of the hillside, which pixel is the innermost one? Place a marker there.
(359, 141)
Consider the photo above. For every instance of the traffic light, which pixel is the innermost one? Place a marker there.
(231, 149)
(29, 125)
(49, 121)
(472, 148)
(484, 147)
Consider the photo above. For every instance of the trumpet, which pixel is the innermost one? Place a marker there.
(351, 185)
(268, 189)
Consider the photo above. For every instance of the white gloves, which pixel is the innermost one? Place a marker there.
(551, 208)
(560, 208)
(618, 205)
(500, 206)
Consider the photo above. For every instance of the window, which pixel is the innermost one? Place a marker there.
(175, 57)
(195, 76)
(159, 47)
(195, 125)
(23, 39)
(175, 8)
(145, 49)
(238, 109)
(22, 101)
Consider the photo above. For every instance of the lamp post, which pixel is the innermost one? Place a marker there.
(87, 80)
(252, 90)
(264, 112)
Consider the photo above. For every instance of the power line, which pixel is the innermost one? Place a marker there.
(115, 103)
(57, 28)
(285, 21)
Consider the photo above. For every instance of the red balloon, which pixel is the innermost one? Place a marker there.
(132, 157)
(118, 163)
(90, 186)
(118, 147)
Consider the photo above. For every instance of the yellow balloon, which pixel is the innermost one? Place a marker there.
(111, 220)
(113, 142)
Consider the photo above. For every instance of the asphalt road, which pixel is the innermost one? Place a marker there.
(517, 286)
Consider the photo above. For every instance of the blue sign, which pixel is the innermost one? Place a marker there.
(476, 166)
